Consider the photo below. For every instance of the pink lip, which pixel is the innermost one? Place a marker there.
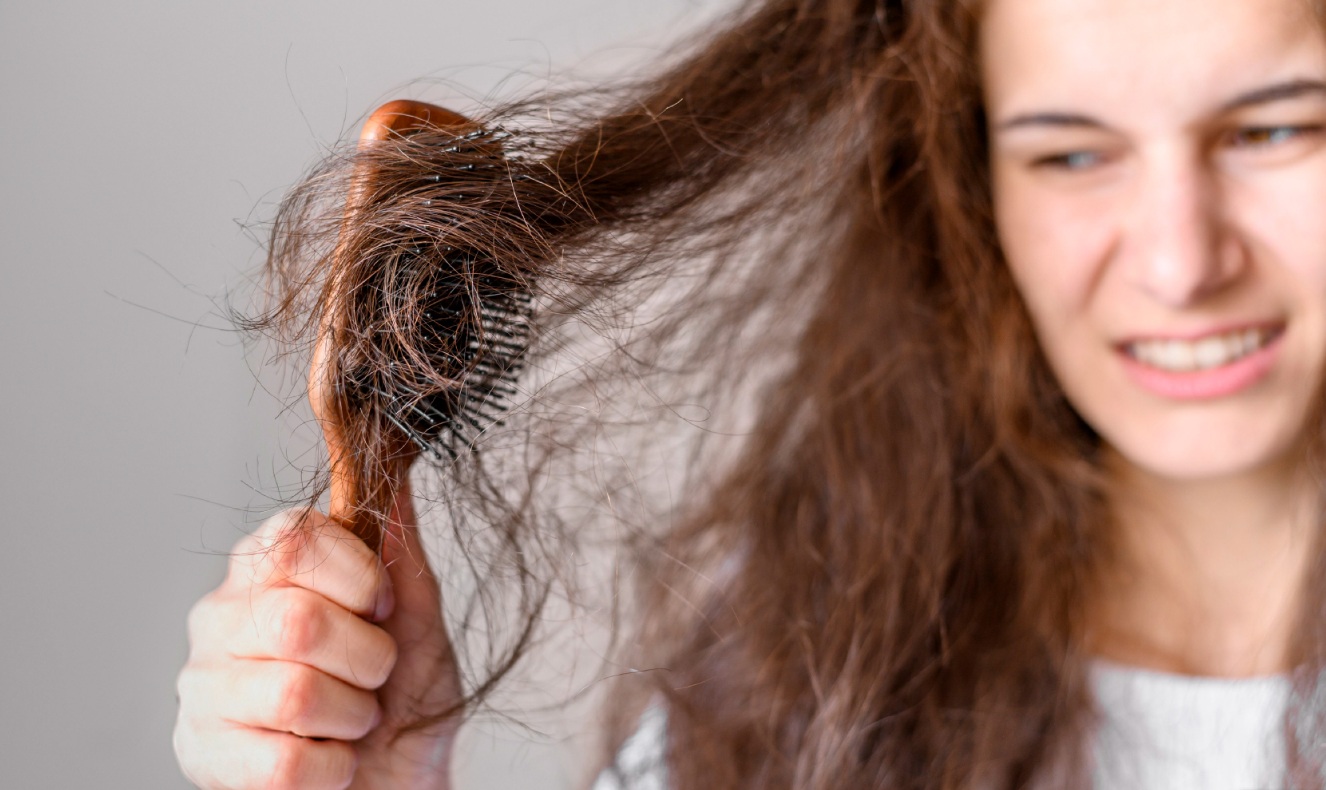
(1206, 384)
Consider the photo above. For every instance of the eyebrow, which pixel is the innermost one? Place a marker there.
(1280, 91)
(1050, 119)
(1292, 89)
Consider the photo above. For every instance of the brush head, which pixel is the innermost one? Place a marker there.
(451, 327)
(423, 330)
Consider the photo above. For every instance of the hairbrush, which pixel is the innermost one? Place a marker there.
(421, 334)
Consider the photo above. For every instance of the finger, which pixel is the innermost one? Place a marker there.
(305, 548)
(283, 696)
(295, 624)
(238, 758)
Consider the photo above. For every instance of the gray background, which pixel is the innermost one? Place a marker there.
(143, 144)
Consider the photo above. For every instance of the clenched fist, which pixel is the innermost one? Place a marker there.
(307, 660)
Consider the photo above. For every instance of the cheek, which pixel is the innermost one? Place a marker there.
(1056, 247)
(1284, 216)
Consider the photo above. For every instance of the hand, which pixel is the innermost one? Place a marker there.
(308, 659)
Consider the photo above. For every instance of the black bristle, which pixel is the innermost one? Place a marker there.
(471, 320)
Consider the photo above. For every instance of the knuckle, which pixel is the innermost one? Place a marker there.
(197, 690)
(246, 546)
(182, 741)
(296, 626)
(184, 686)
(291, 763)
(296, 698)
(205, 624)
(286, 553)
(249, 559)
(287, 522)
(199, 619)
(276, 551)
(301, 763)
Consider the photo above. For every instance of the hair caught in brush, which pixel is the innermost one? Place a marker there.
(877, 579)
(470, 257)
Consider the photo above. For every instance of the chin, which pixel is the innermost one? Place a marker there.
(1208, 456)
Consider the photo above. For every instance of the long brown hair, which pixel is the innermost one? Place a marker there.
(879, 578)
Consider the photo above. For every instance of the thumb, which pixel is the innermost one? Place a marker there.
(417, 612)
(424, 683)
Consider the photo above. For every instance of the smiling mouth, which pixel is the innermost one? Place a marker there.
(1213, 351)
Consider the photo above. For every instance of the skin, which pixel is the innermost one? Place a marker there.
(306, 660)
(1159, 171)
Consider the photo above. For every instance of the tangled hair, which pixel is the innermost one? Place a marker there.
(877, 579)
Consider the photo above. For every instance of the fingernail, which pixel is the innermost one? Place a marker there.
(386, 599)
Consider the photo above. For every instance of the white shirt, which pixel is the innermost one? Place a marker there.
(1159, 732)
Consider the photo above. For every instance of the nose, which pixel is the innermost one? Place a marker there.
(1180, 248)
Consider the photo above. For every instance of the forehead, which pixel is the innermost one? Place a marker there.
(1180, 52)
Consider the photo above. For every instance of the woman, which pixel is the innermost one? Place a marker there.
(1034, 503)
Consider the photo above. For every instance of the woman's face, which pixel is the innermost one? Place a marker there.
(1159, 179)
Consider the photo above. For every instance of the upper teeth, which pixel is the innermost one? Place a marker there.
(1209, 352)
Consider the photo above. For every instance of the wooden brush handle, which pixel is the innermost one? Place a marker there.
(402, 116)
(347, 490)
